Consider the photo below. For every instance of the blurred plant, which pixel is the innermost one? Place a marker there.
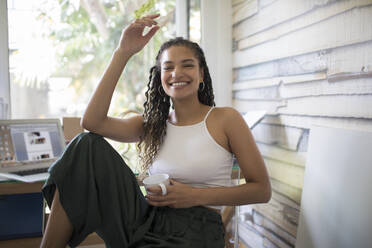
(145, 8)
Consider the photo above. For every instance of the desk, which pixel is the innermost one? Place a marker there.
(7, 188)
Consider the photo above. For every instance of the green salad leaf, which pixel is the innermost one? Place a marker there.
(145, 8)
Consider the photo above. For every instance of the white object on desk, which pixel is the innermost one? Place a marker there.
(27, 179)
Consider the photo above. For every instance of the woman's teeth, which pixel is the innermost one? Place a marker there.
(179, 84)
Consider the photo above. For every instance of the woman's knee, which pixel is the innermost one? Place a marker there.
(87, 136)
(86, 139)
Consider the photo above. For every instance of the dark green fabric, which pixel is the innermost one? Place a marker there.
(100, 193)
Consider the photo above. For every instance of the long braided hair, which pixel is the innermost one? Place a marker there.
(157, 104)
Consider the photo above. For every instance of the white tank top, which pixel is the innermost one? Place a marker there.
(190, 155)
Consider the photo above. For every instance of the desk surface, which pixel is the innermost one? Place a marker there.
(8, 188)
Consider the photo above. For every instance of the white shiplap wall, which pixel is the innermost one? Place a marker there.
(306, 62)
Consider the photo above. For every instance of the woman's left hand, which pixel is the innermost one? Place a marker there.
(178, 195)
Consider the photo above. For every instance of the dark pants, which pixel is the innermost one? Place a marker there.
(100, 193)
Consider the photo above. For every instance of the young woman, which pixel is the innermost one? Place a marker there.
(194, 143)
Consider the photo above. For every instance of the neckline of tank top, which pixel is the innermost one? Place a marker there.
(192, 125)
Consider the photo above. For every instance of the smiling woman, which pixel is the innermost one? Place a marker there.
(181, 133)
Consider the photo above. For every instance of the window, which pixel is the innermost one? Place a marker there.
(194, 21)
(58, 51)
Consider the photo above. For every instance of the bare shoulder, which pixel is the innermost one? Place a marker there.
(227, 115)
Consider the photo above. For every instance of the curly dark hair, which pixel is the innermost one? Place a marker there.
(157, 104)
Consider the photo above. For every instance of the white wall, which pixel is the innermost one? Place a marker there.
(216, 41)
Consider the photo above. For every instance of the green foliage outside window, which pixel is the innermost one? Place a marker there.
(84, 35)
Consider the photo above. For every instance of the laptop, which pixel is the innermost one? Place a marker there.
(28, 147)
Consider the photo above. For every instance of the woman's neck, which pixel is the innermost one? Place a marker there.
(189, 112)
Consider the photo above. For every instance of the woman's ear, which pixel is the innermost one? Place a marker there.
(202, 74)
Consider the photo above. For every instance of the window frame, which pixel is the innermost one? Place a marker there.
(182, 18)
(212, 30)
(216, 41)
(4, 58)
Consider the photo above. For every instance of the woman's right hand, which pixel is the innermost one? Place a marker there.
(132, 40)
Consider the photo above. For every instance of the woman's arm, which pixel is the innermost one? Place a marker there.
(95, 118)
(257, 188)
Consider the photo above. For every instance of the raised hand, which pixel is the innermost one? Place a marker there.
(132, 40)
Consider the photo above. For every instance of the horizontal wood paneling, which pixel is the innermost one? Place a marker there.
(310, 77)
(356, 29)
(266, 93)
(265, 3)
(279, 232)
(250, 236)
(330, 62)
(272, 231)
(274, 212)
(309, 18)
(276, 153)
(256, 83)
(257, 236)
(350, 59)
(286, 137)
(245, 10)
(286, 173)
(291, 192)
(287, 90)
(306, 63)
(243, 90)
(346, 87)
(306, 122)
(274, 14)
(237, 2)
(292, 66)
(271, 106)
(358, 106)
(288, 203)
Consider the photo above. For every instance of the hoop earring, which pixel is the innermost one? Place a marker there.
(159, 90)
(203, 86)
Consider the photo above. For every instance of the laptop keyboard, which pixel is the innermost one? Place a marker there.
(31, 172)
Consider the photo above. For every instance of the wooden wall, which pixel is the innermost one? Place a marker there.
(306, 62)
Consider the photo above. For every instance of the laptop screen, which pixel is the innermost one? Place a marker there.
(29, 141)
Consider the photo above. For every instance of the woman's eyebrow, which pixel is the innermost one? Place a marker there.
(187, 60)
(183, 61)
